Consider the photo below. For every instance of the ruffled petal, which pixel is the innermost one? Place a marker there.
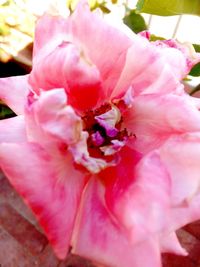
(71, 61)
(145, 198)
(100, 238)
(154, 118)
(67, 67)
(107, 50)
(50, 186)
(50, 32)
(181, 56)
(51, 114)
(13, 130)
(180, 155)
(13, 92)
(147, 71)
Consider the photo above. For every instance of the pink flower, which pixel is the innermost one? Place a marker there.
(106, 145)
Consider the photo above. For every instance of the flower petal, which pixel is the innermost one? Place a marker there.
(171, 244)
(145, 198)
(147, 71)
(98, 237)
(76, 66)
(13, 130)
(55, 118)
(67, 67)
(107, 50)
(154, 118)
(181, 56)
(181, 155)
(51, 187)
(49, 30)
(13, 92)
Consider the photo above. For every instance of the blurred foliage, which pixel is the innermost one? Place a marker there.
(15, 16)
(154, 38)
(169, 7)
(197, 47)
(17, 26)
(103, 5)
(135, 21)
(5, 112)
(195, 71)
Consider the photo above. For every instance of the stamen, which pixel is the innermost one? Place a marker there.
(108, 121)
(97, 139)
(102, 138)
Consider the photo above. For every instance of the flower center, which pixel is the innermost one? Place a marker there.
(101, 138)
(104, 128)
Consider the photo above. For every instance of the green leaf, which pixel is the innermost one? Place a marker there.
(195, 71)
(196, 47)
(154, 38)
(169, 7)
(5, 112)
(135, 21)
(104, 9)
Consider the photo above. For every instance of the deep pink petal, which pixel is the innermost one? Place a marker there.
(13, 130)
(51, 187)
(13, 92)
(144, 198)
(147, 70)
(154, 118)
(67, 67)
(102, 240)
(112, 176)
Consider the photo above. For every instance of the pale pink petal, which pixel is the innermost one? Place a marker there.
(144, 199)
(147, 71)
(181, 56)
(67, 67)
(13, 130)
(49, 30)
(181, 155)
(57, 119)
(170, 244)
(181, 158)
(13, 92)
(50, 186)
(100, 238)
(104, 45)
(154, 118)
(186, 213)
